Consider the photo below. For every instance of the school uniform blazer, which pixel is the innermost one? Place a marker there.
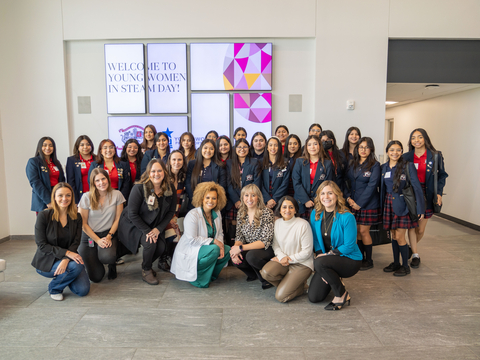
(39, 178)
(138, 217)
(341, 169)
(305, 192)
(219, 175)
(74, 176)
(343, 235)
(280, 180)
(46, 231)
(364, 186)
(399, 205)
(251, 175)
(124, 181)
(429, 176)
(195, 235)
(150, 155)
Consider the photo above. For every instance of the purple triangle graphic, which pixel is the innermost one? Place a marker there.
(237, 47)
(253, 97)
(254, 49)
(268, 98)
(267, 69)
(252, 117)
(239, 102)
(261, 45)
(266, 59)
(242, 62)
(230, 72)
(242, 84)
(243, 113)
(261, 114)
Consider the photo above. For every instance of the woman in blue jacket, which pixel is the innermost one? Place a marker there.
(308, 173)
(275, 174)
(44, 171)
(334, 240)
(395, 211)
(161, 151)
(421, 154)
(78, 166)
(361, 192)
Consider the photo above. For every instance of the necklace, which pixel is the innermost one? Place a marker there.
(326, 226)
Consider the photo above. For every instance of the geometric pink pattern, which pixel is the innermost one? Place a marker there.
(255, 107)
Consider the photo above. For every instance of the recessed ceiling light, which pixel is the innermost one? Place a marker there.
(390, 102)
(432, 86)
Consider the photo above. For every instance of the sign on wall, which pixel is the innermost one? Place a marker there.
(167, 78)
(125, 80)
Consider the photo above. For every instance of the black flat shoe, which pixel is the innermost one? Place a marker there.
(392, 267)
(337, 306)
(251, 279)
(112, 271)
(415, 263)
(366, 265)
(266, 286)
(403, 271)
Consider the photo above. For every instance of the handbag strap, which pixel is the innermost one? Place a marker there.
(435, 176)
(407, 171)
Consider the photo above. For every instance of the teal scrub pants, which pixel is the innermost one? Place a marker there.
(209, 265)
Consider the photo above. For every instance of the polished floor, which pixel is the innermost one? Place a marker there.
(434, 313)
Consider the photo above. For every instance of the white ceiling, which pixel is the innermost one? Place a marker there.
(410, 93)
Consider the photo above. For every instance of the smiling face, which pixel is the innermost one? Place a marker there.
(101, 182)
(47, 148)
(259, 143)
(315, 130)
(293, 146)
(162, 143)
(132, 149)
(224, 147)
(417, 140)
(149, 134)
(186, 142)
(287, 210)
(328, 198)
(156, 174)
(212, 136)
(176, 162)
(251, 200)
(208, 151)
(240, 135)
(84, 148)
(394, 152)
(63, 197)
(210, 201)
(313, 147)
(108, 150)
(272, 147)
(282, 134)
(353, 137)
(242, 150)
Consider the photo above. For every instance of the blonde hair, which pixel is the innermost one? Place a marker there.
(72, 208)
(340, 206)
(243, 210)
(203, 188)
(94, 194)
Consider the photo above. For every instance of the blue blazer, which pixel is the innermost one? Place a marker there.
(219, 175)
(398, 204)
(343, 235)
(74, 177)
(150, 155)
(39, 178)
(364, 186)
(429, 176)
(341, 169)
(280, 181)
(301, 180)
(251, 175)
(124, 181)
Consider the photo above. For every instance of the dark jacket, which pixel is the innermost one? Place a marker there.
(429, 176)
(150, 155)
(139, 218)
(219, 175)
(39, 178)
(124, 181)
(340, 170)
(399, 206)
(305, 192)
(74, 177)
(280, 181)
(364, 186)
(251, 175)
(46, 231)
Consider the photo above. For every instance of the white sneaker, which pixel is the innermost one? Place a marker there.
(57, 297)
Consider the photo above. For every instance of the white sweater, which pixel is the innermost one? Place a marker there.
(294, 238)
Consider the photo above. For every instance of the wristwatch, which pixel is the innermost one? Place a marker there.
(241, 248)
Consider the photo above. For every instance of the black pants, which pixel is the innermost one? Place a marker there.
(254, 260)
(331, 268)
(94, 257)
(152, 251)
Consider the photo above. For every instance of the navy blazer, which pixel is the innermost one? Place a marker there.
(364, 186)
(251, 175)
(280, 181)
(124, 181)
(305, 192)
(399, 205)
(150, 155)
(341, 169)
(219, 175)
(74, 177)
(39, 178)
(429, 176)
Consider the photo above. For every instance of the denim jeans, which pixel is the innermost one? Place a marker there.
(74, 277)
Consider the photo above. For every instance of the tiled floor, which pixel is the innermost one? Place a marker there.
(434, 313)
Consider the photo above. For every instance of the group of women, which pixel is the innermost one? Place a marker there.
(276, 210)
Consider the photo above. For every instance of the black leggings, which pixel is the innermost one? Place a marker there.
(94, 257)
(331, 268)
(254, 260)
(152, 251)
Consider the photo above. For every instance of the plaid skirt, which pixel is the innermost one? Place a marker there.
(306, 214)
(232, 213)
(367, 217)
(392, 221)
(428, 212)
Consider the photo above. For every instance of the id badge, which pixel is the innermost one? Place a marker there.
(83, 165)
(91, 243)
(55, 168)
(151, 200)
(416, 166)
(388, 174)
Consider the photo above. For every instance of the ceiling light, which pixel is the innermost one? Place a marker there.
(432, 86)
(390, 102)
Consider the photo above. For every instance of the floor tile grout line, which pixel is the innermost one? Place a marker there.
(73, 326)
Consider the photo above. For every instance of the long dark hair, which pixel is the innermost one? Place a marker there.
(99, 159)
(227, 139)
(197, 169)
(157, 136)
(138, 157)
(371, 159)
(258, 133)
(336, 155)
(76, 153)
(41, 155)
(287, 154)
(236, 176)
(191, 154)
(401, 164)
(182, 173)
(346, 143)
(144, 143)
(428, 143)
(321, 154)
(240, 129)
(279, 159)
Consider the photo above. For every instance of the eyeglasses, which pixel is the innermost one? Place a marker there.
(242, 147)
(363, 148)
(317, 131)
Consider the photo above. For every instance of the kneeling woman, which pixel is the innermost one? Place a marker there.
(293, 247)
(151, 206)
(200, 254)
(57, 234)
(335, 241)
(100, 208)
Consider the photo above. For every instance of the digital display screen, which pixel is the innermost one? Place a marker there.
(253, 111)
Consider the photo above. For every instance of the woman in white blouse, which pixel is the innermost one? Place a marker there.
(293, 247)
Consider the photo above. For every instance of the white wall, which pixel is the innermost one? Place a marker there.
(453, 124)
(4, 217)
